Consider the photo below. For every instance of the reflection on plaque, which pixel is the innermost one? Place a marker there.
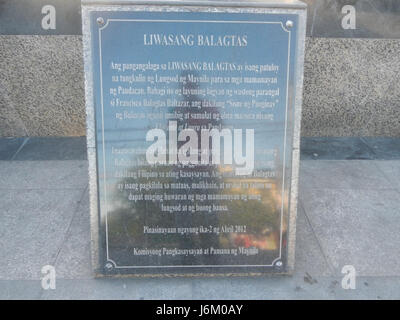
(193, 136)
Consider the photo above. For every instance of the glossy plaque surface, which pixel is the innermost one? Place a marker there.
(194, 115)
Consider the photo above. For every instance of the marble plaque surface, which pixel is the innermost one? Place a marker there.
(193, 116)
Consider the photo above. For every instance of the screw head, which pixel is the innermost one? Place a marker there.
(279, 264)
(109, 266)
(100, 21)
(289, 24)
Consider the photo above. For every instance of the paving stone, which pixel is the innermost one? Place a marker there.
(309, 256)
(357, 227)
(341, 174)
(266, 287)
(391, 170)
(20, 289)
(33, 226)
(128, 288)
(329, 148)
(43, 174)
(9, 146)
(74, 260)
(385, 148)
(54, 148)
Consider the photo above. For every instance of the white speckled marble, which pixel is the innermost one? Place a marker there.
(351, 87)
(42, 78)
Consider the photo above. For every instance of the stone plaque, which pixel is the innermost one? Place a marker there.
(193, 120)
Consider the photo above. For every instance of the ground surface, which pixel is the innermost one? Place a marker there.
(349, 214)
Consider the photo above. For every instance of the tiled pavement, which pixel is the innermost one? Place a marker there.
(349, 214)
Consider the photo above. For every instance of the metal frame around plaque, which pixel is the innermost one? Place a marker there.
(294, 98)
